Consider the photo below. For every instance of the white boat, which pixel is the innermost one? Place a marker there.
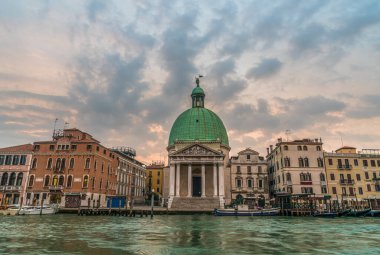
(11, 210)
(37, 210)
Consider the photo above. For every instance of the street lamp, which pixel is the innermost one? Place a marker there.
(152, 201)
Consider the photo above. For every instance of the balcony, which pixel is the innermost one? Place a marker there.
(323, 183)
(10, 188)
(58, 170)
(289, 183)
(249, 173)
(344, 167)
(238, 172)
(346, 182)
(56, 188)
(306, 183)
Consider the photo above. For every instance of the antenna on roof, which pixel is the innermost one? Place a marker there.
(341, 139)
(66, 125)
(287, 133)
(55, 124)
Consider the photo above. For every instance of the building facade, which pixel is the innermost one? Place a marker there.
(354, 177)
(249, 178)
(14, 169)
(131, 175)
(198, 151)
(72, 170)
(154, 180)
(297, 167)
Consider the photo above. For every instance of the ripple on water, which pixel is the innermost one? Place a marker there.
(198, 234)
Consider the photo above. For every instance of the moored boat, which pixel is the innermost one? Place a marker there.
(255, 212)
(37, 210)
(373, 213)
(358, 213)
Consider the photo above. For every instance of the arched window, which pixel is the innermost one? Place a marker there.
(239, 183)
(71, 163)
(61, 180)
(249, 183)
(31, 181)
(93, 183)
(34, 163)
(69, 181)
(49, 163)
(299, 148)
(306, 162)
(318, 148)
(300, 162)
(47, 180)
(286, 147)
(287, 162)
(58, 164)
(320, 162)
(4, 179)
(12, 179)
(87, 166)
(55, 180)
(19, 179)
(288, 177)
(322, 176)
(305, 148)
(85, 181)
(63, 164)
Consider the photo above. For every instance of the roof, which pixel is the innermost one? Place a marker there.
(346, 147)
(197, 91)
(198, 124)
(18, 148)
(248, 150)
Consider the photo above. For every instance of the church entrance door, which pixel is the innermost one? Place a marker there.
(197, 186)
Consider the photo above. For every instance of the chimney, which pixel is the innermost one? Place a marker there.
(267, 151)
(279, 140)
(271, 148)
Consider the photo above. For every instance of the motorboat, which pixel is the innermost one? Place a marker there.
(11, 210)
(38, 210)
(244, 211)
(332, 214)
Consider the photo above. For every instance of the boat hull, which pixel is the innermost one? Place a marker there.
(231, 212)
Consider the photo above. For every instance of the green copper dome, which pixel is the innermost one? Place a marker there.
(198, 124)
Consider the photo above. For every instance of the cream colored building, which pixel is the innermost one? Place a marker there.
(249, 178)
(297, 167)
(354, 177)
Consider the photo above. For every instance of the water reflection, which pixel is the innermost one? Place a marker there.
(71, 234)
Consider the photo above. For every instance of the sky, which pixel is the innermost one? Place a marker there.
(124, 70)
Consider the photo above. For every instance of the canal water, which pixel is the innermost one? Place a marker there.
(196, 234)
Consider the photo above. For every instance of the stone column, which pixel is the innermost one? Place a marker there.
(203, 180)
(215, 181)
(221, 180)
(178, 168)
(171, 180)
(189, 176)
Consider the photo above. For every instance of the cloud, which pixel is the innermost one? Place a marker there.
(265, 69)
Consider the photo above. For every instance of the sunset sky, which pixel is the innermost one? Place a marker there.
(124, 70)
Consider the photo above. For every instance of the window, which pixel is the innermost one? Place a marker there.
(63, 164)
(330, 162)
(341, 177)
(366, 175)
(377, 188)
(351, 191)
(158, 190)
(4, 179)
(238, 183)
(23, 160)
(158, 181)
(332, 177)
(158, 173)
(93, 183)
(249, 183)
(374, 175)
(368, 187)
(19, 179)
(378, 162)
(238, 169)
(373, 163)
(100, 183)
(69, 181)
(49, 163)
(300, 162)
(36, 147)
(8, 160)
(248, 156)
(288, 177)
(322, 176)
(299, 148)
(249, 170)
(85, 181)
(344, 192)
(73, 146)
(51, 147)
(87, 166)
(307, 190)
(34, 163)
(61, 180)
(16, 159)
(305, 177)
(323, 190)
(358, 177)
(306, 162)
(305, 148)
(89, 147)
(102, 167)
(286, 148)
(71, 165)
(365, 163)
(58, 164)
(2, 160)
(318, 148)
(287, 162)
(55, 181)
(47, 180)
(320, 162)
(360, 190)
(260, 184)
(31, 181)
(356, 163)
(339, 163)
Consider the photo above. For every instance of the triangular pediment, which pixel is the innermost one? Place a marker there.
(197, 150)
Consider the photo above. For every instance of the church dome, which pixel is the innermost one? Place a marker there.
(198, 123)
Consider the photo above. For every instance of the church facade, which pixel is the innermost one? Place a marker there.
(198, 151)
